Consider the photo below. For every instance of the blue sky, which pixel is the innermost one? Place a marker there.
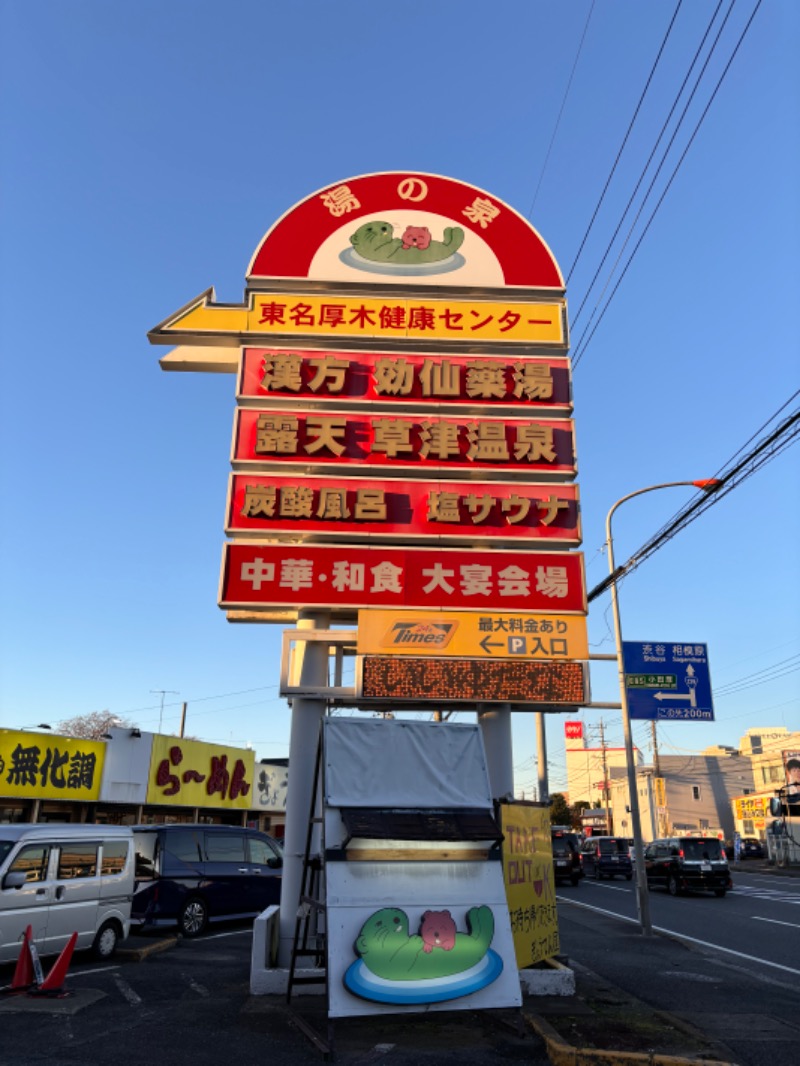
(145, 152)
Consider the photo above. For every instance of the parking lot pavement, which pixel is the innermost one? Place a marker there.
(191, 1003)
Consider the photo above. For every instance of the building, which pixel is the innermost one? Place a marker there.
(129, 777)
(691, 794)
(589, 769)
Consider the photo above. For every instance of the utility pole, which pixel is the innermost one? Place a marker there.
(162, 692)
(609, 826)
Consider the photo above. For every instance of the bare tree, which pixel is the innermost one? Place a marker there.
(91, 726)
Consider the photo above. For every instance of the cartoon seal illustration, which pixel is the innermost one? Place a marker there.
(388, 951)
(374, 241)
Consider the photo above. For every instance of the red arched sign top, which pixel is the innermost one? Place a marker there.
(426, 219)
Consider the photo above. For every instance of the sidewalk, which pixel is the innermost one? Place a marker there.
(662, 996)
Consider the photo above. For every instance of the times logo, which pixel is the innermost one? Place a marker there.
(419, 634)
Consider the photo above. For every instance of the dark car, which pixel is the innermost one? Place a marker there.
(190, 875)
(751, 848)
(687, 864)
(607, 857)
(566, 856)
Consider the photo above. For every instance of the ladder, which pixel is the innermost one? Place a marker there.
(310, 930)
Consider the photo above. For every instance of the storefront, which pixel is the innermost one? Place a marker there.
(130, 777)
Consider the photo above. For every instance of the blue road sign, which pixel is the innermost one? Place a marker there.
(668, 682)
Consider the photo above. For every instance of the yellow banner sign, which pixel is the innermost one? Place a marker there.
(42, 766)
(268, 314)
(473, 634)
(530, 887)
(750, 807)
(190, 773)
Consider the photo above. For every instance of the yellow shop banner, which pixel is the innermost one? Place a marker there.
(191, 773)
(39, 766)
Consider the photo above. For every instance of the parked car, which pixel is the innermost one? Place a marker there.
(751, 848)
(606, 857)
(566, 856)
(190, 875)
(61, 879)
(687, 864)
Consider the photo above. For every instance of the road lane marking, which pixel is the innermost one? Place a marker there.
(83, 973)
(127, 991)
(774, 921)
(219, 936)
(681, 936)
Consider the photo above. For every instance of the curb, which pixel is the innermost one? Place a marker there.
(154, 947)
(561, 1053)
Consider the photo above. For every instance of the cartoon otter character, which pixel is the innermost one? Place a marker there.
(416, 237)
(438, 930)
(374, 241)
(390, 951)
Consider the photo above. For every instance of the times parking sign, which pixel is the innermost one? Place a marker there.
(667, 682)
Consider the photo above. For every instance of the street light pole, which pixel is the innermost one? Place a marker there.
(642, 898)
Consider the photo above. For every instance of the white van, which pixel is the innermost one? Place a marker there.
(65, 879)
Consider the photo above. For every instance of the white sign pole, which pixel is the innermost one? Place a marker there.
(495, 723)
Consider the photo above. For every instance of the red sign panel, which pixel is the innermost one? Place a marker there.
(283, 505)
(265, 439)
(404, 380)
(292, 245)
(573, 730)
(344, 578)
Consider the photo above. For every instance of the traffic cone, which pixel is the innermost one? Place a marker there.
(23, 972)
(53, 984)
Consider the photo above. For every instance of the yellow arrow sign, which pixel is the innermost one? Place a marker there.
(278, 314)
(473, 634)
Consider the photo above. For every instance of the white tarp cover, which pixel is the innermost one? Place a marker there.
(383, 762)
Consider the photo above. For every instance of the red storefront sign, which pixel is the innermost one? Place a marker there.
(344, 578)
(573, 730)
(291, 249)
(264, 439)
(288, 506)
(404, 379)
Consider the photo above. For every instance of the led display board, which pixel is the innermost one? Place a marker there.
(522, 681)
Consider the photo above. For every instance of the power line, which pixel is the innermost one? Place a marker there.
(766, 450)
(646, 167)
(579, 354)
(561, 110)
(624, 142)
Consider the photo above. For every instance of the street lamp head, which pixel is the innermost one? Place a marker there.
(709, 484)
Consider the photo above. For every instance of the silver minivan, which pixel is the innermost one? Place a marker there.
(65, 879)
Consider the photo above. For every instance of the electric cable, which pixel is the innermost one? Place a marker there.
(561, 111)
(764, 451)
(582, 350)
(646, 167)
(624, 142)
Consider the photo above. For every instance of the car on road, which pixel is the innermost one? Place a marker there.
(751, 848)
(61, 879)
(687, 864)
(606, 857)
(566, 856)
(189, 875)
